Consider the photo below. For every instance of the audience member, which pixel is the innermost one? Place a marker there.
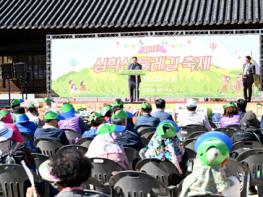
(105, 145)
(70, 120)
(191, 117)
(95, 120)
(48, 104)
(249, 130)
(15, 105)
(145, 118)
(230, 116)
(128, 138)
(12, 152)
(106, 112)
(67, 171)
(241, 106)
(208, 176)
(5, 116)
(32, 114)
(160, 113)
(165, 145)
(23, 124)
(26, 127)
(118, 104)
(50, 129)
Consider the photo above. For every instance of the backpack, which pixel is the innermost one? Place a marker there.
(6, 152)
(13, 153)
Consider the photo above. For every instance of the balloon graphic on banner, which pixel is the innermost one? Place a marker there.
(213, 46)
(73, 62)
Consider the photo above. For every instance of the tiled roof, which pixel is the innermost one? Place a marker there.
(88, 14)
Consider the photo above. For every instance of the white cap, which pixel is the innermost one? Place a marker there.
(191, 103)
(5, 132)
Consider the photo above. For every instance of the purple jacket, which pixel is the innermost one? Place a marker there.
(227, 121)
(71, 123)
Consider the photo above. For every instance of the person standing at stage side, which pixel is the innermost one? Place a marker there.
(132, 79)
(248, 80)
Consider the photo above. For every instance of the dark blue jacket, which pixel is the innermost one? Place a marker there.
(146, 120)
(51, 133)
(130, 139)
(162, 115)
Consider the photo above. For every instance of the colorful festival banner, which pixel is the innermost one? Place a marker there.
(185, 66)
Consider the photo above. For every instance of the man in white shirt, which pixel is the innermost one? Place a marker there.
(191, 117)
(248, 80)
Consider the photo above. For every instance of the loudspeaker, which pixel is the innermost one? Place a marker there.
(20, 70)
(7, 71)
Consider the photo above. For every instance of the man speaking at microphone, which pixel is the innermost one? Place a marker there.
(132, 80)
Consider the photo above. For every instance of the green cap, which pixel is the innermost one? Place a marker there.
(67, 110)
(118, 103)
(229, 105)
(51, 116)
(105, 109)
(66, 107)
(166, 130)
(94, 115)
(212, 152)
(110, 128)
(120, 114)
(146, 105)
(15, 102)
(31, 105)
(47, 100)
(3, 113)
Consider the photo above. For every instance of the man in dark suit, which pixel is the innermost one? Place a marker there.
(132, 79)
(248, 80)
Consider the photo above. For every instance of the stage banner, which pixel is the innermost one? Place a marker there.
(185, 66)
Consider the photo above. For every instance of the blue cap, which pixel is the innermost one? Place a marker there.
(214, 135)
(21, 118)
(67, 111)
(110, 128)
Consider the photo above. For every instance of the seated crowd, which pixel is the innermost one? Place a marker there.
(113, 128)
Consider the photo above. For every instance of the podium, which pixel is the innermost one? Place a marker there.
(135, 73)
